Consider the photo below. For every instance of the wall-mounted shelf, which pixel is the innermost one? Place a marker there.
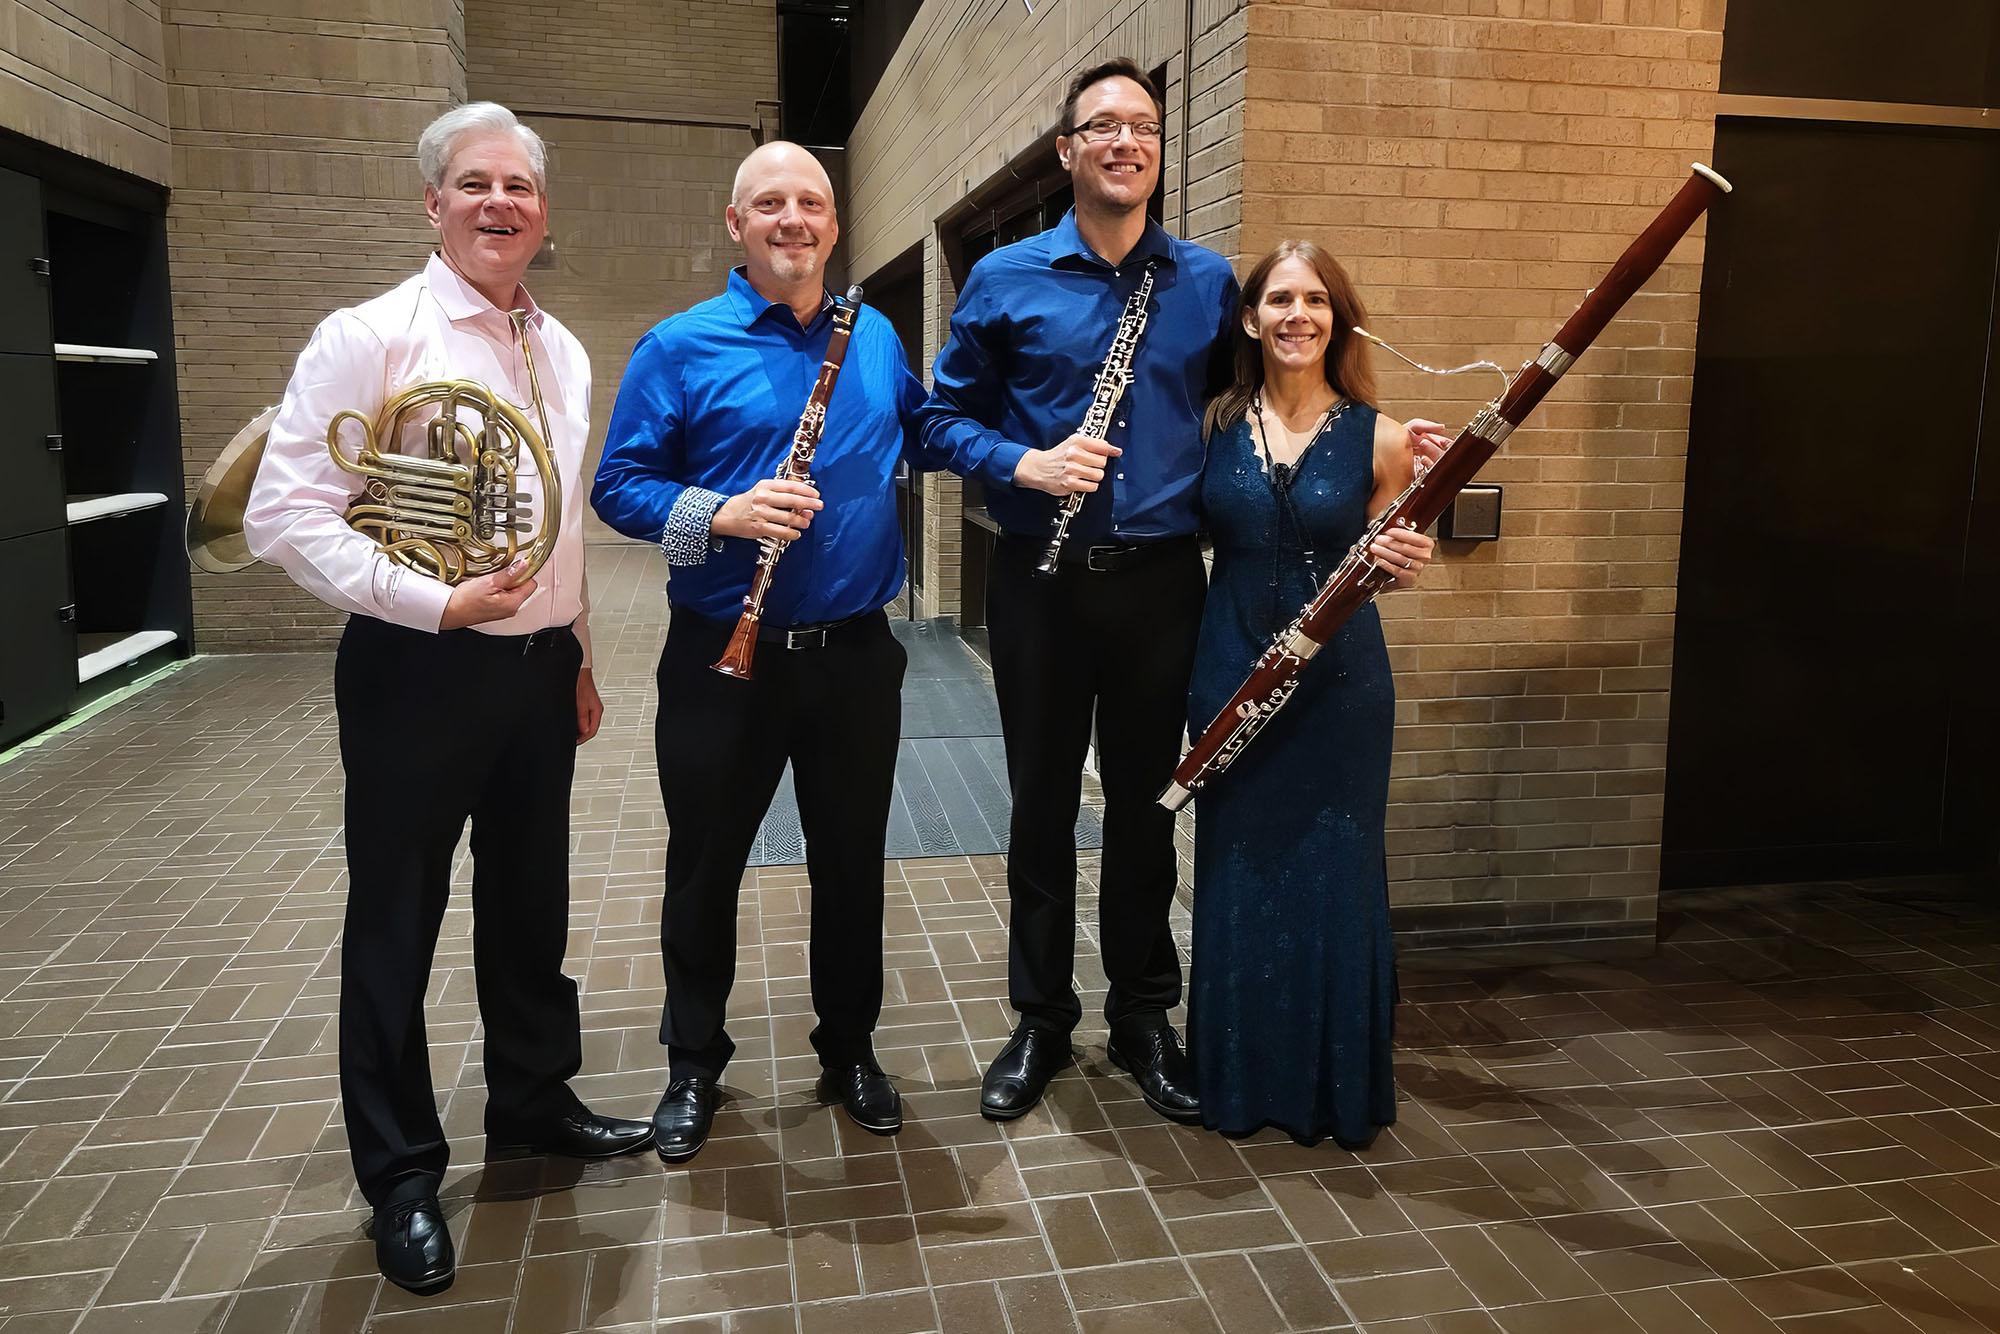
(82, 509)
(93, 579)
(105, 651)
(124, 356)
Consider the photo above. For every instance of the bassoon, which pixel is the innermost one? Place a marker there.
(1357, 579)
(736, 659)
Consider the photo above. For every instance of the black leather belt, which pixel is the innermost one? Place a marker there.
(807, 636)
(547, 638)
(1104, 557)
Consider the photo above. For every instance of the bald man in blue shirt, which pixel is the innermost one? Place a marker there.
(705, 416)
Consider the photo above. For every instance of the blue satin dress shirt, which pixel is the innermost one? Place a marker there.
(1029, 333)
(707, 409)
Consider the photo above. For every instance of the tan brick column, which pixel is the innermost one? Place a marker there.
(943, 493)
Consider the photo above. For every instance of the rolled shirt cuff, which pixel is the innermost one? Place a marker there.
(687, 539)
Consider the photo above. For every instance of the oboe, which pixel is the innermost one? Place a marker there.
(1112, 379)
(1356, 581)
(736, 659)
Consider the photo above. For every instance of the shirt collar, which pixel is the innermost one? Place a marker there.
(750, 305)
(460, 300)
(1067, 243)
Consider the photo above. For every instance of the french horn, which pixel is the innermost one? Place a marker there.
(454, 512)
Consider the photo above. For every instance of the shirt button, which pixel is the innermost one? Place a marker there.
(1121, 476)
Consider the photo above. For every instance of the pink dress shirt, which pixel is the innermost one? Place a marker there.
(436, 326)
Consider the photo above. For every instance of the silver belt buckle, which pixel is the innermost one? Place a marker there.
(1090, 558)
(813, 638)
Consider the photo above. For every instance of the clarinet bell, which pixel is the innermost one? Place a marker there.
(742, 651)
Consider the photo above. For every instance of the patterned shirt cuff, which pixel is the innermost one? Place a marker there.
(687, 540)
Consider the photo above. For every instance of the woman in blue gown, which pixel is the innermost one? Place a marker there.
(1293, 993)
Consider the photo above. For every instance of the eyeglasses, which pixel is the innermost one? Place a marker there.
(1104, 129)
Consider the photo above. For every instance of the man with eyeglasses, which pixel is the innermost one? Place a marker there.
(1110, 638)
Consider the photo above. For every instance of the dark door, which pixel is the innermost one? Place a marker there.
(31, 476)
(1823, 621)
(24, 283)
(38, 668)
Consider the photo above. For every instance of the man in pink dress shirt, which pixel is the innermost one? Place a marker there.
(455, 703)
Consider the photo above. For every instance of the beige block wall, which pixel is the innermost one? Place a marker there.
(1478, 164)
(657, 103)
(967, 92)
(295, 192)
(674, 58)
(89, 78)
(636, 212)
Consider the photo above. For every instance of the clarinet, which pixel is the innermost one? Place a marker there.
(1357, 579)
(1112, 380)
(736, 659)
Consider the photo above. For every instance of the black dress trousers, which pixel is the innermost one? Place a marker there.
(436, 729)
(835, 712)
(1115, 647)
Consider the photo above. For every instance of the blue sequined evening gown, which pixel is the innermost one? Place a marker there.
(1293, 990)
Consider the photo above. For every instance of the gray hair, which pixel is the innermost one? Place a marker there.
(440, 140)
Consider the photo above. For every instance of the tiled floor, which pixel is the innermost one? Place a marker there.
(1787, 1121)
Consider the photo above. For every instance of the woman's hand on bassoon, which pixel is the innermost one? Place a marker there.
(777, 508)
(1403, 552)
(1428, 440)
(1077, 464)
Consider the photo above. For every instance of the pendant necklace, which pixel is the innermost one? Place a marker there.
(1281, 477)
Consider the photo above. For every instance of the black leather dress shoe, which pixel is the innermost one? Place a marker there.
(1158, 1065)
(580, 1134)
(682, 1120)
(870, 1099)
(413, 1247)
(1021, 1072)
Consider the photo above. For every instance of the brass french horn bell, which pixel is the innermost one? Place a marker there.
(215, 539)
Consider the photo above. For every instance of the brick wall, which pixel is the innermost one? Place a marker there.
(89, 78)
(655, 105)
(295, 192)
(1477, 164)
(972, 87)
(968, 91)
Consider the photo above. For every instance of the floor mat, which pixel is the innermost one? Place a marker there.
(951, 770)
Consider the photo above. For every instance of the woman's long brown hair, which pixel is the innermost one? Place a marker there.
(1347, 366)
